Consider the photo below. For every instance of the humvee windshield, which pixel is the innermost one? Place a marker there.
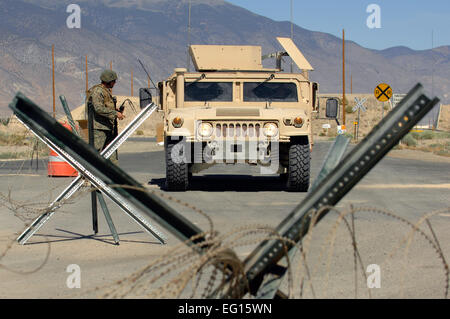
(270, 91)
(208, 91)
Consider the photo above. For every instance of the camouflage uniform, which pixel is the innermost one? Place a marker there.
(105, 117)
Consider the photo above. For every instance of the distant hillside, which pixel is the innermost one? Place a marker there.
(155, 31)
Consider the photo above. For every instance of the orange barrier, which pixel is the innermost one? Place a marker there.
(57, 166)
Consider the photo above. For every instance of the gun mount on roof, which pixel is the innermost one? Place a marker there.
(243, 58)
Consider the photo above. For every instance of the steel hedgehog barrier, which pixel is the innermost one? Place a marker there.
(85, 171)
(263, 268)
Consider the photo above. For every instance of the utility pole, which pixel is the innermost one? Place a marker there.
(189, 37)
(343, 78)
(433, 112)
(53, 80)
(432, 65)
(87, 81)
(292, 37)
(131, 82)
(110, 67)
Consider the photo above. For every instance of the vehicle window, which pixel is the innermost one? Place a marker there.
(208, 91)
(270, 91)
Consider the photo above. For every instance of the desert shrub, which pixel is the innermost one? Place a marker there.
(415, 135)
(409, 140)
(443, 153)
(427, 135)
(12, 139)
(442, 135)
(349, 109)
(13, 155)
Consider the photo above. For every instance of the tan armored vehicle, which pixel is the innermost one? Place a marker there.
(232, 110)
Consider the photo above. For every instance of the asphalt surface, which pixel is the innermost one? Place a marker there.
(232, 196)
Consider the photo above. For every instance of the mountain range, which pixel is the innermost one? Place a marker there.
(155, 31)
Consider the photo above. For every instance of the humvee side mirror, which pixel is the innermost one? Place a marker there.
(332, 108)
(315, 100)
(145, 97)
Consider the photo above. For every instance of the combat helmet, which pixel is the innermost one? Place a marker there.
(108, 76)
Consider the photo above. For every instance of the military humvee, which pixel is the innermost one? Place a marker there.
(232, 110)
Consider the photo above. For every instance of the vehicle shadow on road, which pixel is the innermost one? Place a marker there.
(236, 183)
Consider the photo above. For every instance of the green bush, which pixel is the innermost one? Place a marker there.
(340, 100)
(14, 155)
(443, 153)
(415, 135)
(409, 140)
(349, 109)
(12, 139)
(427, 135)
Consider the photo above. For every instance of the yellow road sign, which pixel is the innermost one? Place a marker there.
(383, 92)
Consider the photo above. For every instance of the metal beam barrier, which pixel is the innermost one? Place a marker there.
(337, 183)
(102, 172)
(78, 182)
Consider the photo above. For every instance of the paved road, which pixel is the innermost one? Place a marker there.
(232, 197)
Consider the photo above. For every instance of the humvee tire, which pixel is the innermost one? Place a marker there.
(298, 170)
(177, 169)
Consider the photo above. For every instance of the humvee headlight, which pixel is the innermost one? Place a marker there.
(270, 129)
(205, 129)
(177, 122)
(298, 121)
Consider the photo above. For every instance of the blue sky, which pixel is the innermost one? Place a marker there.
(416, 24)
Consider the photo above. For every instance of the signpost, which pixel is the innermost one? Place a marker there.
(358, 107)
(383, 93)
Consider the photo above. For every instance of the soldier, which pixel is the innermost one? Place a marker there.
(102, 113)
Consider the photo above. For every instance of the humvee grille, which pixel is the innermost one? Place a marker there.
(238, 129)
